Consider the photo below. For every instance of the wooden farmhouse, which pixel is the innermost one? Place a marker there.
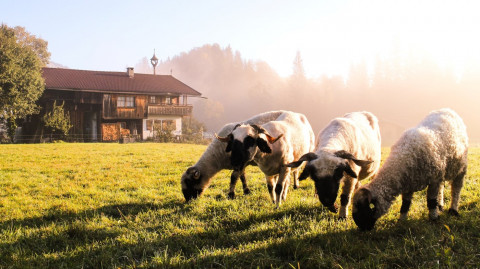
(104, 106)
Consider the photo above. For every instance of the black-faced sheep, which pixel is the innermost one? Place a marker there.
(425, 156)
(271, 146)
(348, 148)
(215, 158)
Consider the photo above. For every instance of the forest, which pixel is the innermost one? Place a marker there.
(399, 88)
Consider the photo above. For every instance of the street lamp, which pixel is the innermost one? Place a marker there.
(154, 61)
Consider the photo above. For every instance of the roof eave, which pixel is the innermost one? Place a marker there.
(120, 92)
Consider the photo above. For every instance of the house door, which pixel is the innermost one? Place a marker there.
(90, 127)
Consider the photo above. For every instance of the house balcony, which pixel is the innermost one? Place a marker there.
(177, 110)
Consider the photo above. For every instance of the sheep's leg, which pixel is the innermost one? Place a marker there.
(233, 183)
(279, 189)
(271, 182)
(432, 200)
(358, 185)
(457, 185)
(286, 185)
(440, 196)
(295, 174)
(246, 190)
(347, 190)
(406, 202)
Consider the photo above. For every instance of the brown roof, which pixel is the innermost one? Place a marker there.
(113, 82)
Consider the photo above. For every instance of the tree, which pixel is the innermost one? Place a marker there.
(192, 130)
(298, 70)
(21, 82)
(39, 46)
(58, 120)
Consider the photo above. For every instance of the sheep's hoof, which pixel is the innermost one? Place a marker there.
(440, 208)
(453, 212)
(295, 186)
(333, 208)
(246, 191)
(231, 195)
(342, 218)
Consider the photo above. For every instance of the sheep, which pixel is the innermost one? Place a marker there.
(271, 146)
(425, 156)
(197, 177)
(348, 148)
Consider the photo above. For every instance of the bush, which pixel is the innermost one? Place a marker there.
(192, 131)
(57, 120)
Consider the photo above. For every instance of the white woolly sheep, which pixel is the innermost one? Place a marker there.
(197, 177)
(425, 156)
(350, 144)
(271, 146)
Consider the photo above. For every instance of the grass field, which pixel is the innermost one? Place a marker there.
(120, 206)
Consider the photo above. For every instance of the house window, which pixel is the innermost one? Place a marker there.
(126, 101)
(152, 99)
(150, 125)
(167, 124)
(168, 100)
(121, 101)
(129, 101)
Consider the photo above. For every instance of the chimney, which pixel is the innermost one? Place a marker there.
(130, 72)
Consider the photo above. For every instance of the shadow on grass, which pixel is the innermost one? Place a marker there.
(58, 231)
(240, 243)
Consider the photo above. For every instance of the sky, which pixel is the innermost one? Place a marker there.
(330, 34)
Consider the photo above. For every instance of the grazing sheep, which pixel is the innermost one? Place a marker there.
(271, 146)
(349, 148)
(425, 156)
(215, 158)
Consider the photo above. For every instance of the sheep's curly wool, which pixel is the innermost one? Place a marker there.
(426, 155)
(348, 150)
(197, 177)
(289, 137)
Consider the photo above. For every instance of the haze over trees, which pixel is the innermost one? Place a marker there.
(400, 88)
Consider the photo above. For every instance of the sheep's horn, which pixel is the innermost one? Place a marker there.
(223, 139)
(272, 139)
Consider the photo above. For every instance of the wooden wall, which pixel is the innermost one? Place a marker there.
(111, 111)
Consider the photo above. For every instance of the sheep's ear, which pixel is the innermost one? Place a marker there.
(362, 162)
(194, 172)
(258, 129)
(263, 145)
(347, 155)
(305, 173)
(305, 158)
(348, 170)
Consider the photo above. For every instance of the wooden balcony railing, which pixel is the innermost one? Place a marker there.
(179, 110)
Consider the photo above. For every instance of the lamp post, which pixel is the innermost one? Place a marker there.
(154, 61)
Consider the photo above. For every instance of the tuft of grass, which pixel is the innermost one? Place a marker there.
(120, 206)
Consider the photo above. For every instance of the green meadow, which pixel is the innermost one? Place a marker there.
(120, 206)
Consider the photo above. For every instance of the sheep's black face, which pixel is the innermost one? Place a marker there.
(191, 180)
(364, 207)
(327, 188)
(242, 152)
(191, 193)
